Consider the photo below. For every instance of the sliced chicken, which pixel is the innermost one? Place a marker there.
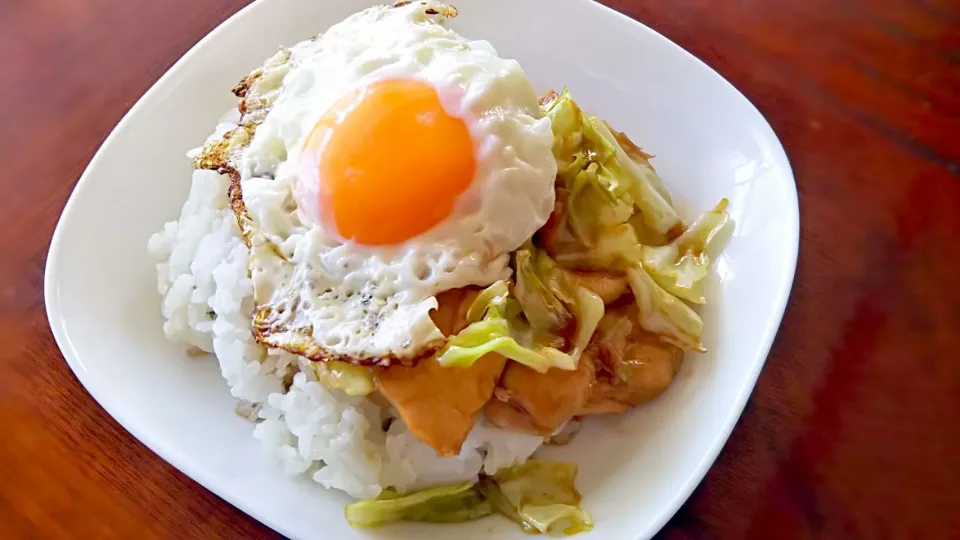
(438, 404)
(539, 403)
(504, 415)
(633, 365)
(608, 286)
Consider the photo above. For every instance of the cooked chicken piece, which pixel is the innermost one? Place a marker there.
(608, 286)
(506, 416)
(633, 365)
(438, 404)
(534, 402)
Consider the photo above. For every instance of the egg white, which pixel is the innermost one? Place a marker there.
(361, 302)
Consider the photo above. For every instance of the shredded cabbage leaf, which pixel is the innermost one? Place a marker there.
(680, 266)
(614, 248)
(543, 309)
(538, 495)
(664, 314)
(620, 218)
(445, 504)
(497, 325)
(556, 286)
(604, 179)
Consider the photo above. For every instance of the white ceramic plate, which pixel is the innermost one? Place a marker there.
(636, 469)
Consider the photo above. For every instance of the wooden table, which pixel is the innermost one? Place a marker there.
(853, 430)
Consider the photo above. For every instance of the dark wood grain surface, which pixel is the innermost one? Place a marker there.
(853, 430)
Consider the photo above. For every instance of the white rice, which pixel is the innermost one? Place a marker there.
(335, 439)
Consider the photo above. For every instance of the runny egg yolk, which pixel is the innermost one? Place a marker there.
(390, 162)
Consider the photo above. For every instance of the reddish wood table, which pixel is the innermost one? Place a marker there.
(854, 428)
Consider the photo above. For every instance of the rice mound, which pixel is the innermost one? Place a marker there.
(337, 440)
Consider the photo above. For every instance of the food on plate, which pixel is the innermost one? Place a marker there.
(442, 417)
(414, 271)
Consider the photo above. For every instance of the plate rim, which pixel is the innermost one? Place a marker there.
(161, 449)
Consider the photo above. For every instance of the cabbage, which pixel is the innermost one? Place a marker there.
(680, 266)
(540, 282)
(494, 335)
(500, 329)
(354, 380)
(620, 218)
(496, 324)
(543, 310)
(446, 504)
(588, 308)
(640, 157)
(595, 199)
(615, 248)
(664, 314)
(557, 280)
(607, 178)
(645, 235)
(539, 495)
(604, 179)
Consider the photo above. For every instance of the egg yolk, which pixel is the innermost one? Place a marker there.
(391, 163)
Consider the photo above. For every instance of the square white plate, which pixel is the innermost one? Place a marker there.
(636, 469)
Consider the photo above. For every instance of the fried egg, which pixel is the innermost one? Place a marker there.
(375, 166)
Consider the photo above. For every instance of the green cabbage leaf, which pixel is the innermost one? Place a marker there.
(538, 495)
(445, 504)
(523, 326)
(681, 266)
(605, 175)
